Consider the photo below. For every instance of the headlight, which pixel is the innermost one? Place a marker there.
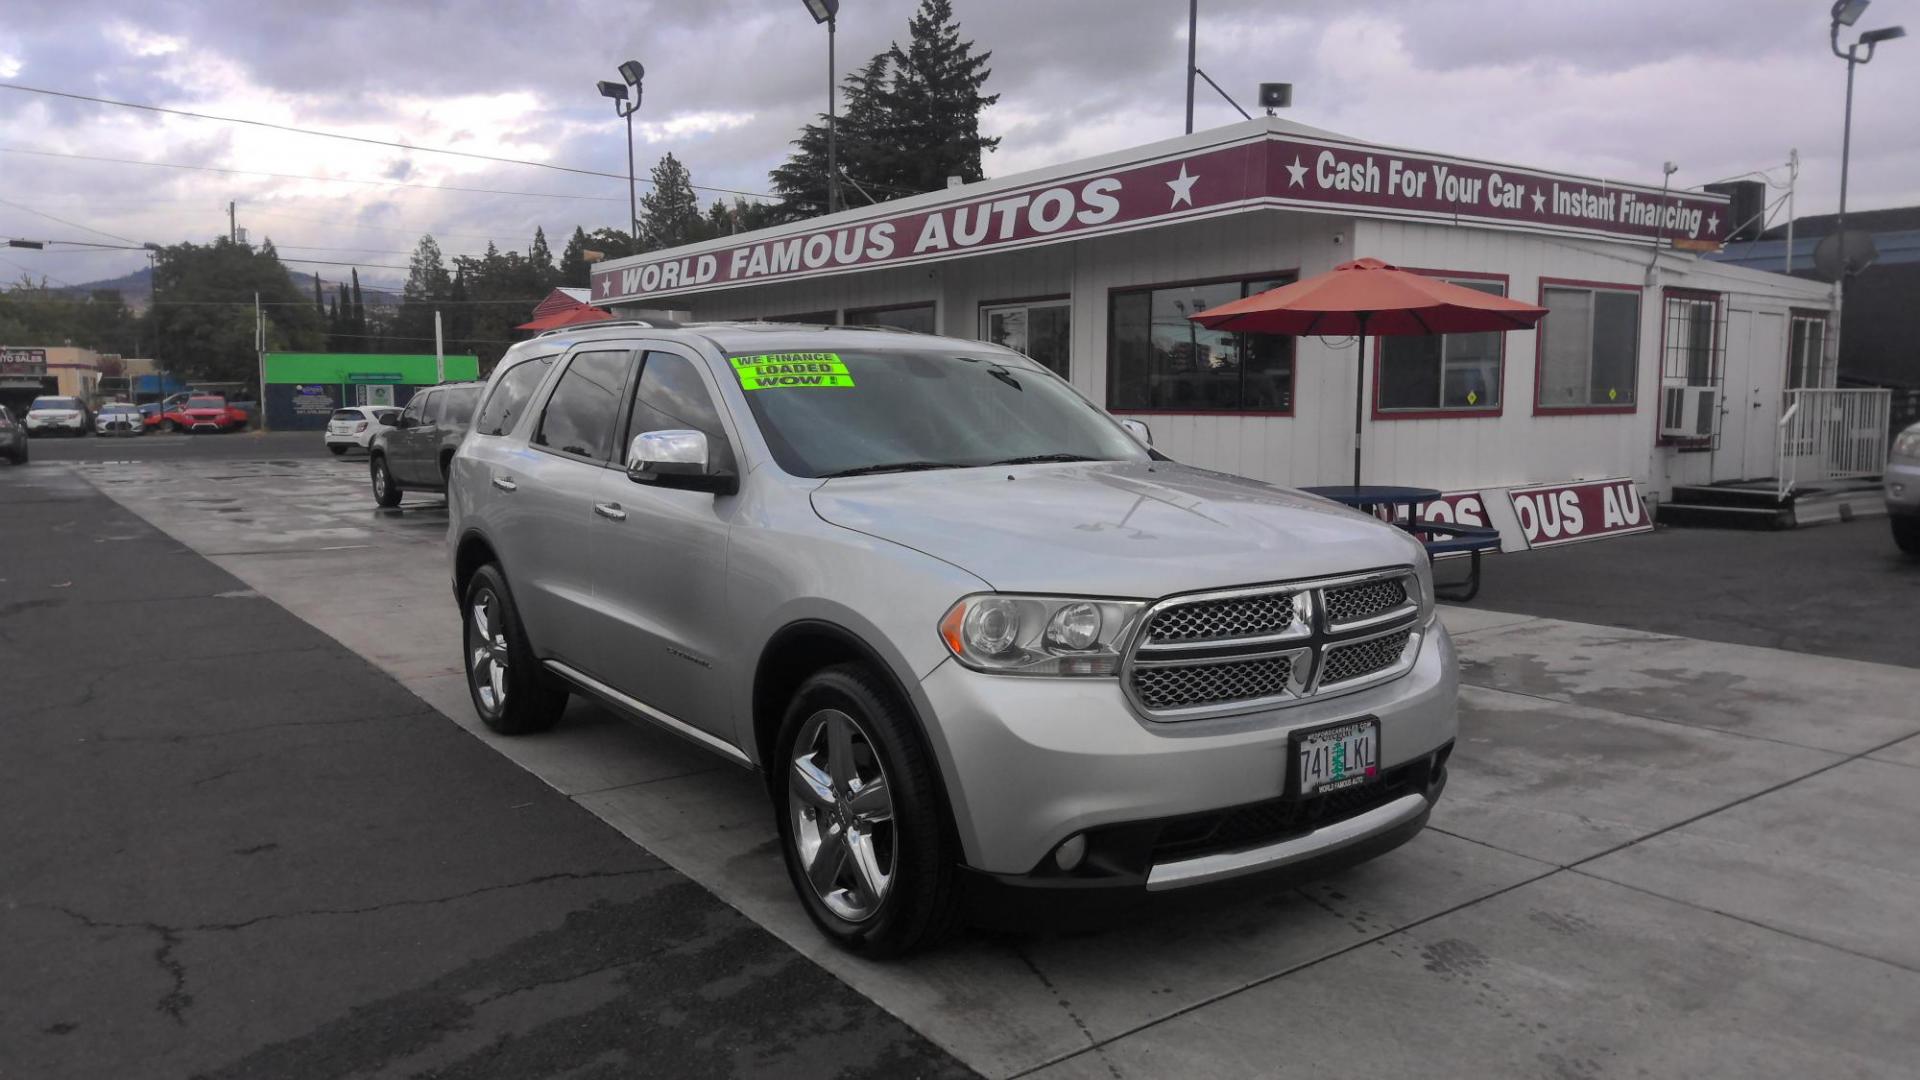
(1039, 635)
(1908, 444)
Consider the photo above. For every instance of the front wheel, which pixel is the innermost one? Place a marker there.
(860, 820)
(510, 692)
(1906, 533)
(385, 491)
(172, 426)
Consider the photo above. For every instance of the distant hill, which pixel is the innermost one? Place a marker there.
(136, 288)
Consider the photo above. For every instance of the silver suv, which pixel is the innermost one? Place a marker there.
(972, 630)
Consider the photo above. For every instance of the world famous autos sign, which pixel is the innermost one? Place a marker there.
(1266, 170)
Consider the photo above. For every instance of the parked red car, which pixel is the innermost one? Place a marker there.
(203, 413)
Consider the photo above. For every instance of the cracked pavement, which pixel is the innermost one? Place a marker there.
(233, 848)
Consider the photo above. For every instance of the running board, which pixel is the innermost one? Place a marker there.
(647, 712)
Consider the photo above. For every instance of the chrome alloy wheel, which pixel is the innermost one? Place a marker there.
(842, 815)
(487, 652)
(380, 480)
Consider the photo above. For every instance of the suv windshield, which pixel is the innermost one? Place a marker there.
(888, 410)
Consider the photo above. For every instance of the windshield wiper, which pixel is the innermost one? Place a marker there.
(892, 466)
(1036, 459)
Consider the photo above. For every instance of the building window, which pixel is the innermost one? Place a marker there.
(1689, 339)
(1040, 329)
(915, 317)
(1807, 352)
(1443, 372)
(1589, 347)
(808, 318)
(1159, 360)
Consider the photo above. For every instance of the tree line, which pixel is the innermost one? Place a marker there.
(911, 119)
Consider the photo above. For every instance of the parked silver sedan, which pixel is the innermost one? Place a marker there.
(119, 418)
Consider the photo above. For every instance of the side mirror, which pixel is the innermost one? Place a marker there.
(1139, 430)
(677, 458)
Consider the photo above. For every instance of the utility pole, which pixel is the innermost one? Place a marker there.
(233, 228)
(1793, 179)
(833, 169)
(260, 351)
(439, 351)
(1193, 27)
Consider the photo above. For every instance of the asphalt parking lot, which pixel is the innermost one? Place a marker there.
(1668, 850)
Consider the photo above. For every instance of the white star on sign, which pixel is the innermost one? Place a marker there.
(1182, 187)
(606, 285)
(1539, 203)
(1713, 224)
(1296, 173)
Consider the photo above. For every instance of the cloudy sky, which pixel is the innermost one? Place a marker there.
(1613, 88)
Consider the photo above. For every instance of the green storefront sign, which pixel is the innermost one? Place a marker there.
(406, 369)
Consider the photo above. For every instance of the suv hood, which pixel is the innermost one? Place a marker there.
(1113, 528)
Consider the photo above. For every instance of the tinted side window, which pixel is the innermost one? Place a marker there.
(457, 405)
(585, 404)
(671, 395)
(430, 412)
(414, 407)
(511, 394)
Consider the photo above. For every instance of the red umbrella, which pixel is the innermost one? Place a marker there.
(569, 317)
(1369, 295)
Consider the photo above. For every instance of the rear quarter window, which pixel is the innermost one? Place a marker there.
(511, 394)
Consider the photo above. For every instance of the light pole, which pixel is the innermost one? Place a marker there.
(825, 11)
(1846, 13)
(153, 250)
(632, 72)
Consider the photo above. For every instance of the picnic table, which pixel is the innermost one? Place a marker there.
(1440, 538)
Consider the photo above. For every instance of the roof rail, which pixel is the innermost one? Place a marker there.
(644, 324)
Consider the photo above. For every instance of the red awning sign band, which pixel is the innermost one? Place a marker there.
(1267, 170)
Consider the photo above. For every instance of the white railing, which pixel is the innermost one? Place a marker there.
(1832, 435)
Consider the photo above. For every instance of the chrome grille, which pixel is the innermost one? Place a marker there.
(1344, 662)
(1207, 684)
(1352, 603)
(1207, 654)
(1210, 620)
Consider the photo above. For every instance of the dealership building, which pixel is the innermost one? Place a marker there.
(1654, 370)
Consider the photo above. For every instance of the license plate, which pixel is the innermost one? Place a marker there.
(1330, 758)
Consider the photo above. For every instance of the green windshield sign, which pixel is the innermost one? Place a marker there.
(776, 371)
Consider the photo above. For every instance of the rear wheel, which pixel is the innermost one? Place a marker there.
(860, 821)
(385, 491)
(1906, 533)
(18, 455)
(510, 691)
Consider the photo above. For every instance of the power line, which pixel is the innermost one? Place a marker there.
(73, 224)
(352, 138)
(304, 176)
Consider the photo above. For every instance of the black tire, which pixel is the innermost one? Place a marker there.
(921, 903)
(528, 698)
(18, 455)
(172, 426)
(337, 449)
(386, 490)
(1906, 533)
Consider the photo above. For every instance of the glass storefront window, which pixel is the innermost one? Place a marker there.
(1041, 330)
(1158, 359)
(1441, 372)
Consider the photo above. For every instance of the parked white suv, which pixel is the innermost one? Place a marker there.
(356, 425)
(1903, 489)
(967, 625)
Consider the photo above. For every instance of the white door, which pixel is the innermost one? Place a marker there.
(1766, 375)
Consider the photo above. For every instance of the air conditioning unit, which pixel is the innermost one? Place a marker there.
(1689, 412)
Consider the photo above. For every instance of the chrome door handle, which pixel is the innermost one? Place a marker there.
(505, 484)
(610, 511)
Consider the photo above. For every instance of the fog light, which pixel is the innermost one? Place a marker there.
(1070, 852)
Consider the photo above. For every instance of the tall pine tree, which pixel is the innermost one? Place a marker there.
(864, 150)
(428, 283)
(670, 213)
(541, 258)
(574, 268)
(932, 105)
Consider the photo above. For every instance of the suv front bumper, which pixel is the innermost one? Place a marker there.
(1031, 762)
(1902, 486)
